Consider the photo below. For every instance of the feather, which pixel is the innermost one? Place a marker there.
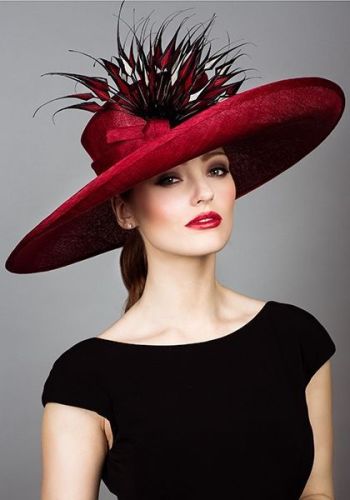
(172, 83)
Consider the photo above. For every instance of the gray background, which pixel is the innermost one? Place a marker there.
(290, 240)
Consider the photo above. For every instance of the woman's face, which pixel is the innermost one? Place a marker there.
(162, 205)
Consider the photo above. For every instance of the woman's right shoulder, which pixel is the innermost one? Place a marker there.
(80, 350)
(77, 377)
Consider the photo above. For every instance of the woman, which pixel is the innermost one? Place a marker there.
(197, 391)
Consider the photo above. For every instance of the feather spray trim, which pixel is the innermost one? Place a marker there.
(170, 84)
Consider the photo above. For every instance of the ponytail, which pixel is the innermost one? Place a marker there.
(133, 263)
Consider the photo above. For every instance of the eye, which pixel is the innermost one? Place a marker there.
(163, 180)
(223, 169)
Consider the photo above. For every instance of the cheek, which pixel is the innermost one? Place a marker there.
(230, 195)
(226, 195)
(162, 208)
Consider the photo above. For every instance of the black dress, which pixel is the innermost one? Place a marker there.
(220, 419)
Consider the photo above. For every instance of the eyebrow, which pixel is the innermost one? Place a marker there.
(205, 156)
(212, 153)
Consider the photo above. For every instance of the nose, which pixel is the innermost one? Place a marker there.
(202, 191)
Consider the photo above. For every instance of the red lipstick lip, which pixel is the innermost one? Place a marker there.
(213, 216)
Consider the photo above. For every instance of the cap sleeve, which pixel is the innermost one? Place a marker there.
(75, 379)
(316, 344)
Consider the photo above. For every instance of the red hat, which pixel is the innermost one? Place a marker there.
(169, 113)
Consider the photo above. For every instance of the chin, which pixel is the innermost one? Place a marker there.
(206, 246)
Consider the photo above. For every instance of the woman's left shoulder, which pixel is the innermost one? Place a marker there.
(300, 315)
(314, 340)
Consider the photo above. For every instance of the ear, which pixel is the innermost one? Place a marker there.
(122, 211)
(114, 203)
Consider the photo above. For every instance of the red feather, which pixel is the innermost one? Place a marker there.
(173, 83)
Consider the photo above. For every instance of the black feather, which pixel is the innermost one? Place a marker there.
(171, 83)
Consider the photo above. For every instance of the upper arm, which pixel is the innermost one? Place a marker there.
(319, 401)
(74, 446)
(76, 404)
(315, 347)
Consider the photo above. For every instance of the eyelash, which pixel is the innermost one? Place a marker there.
(164, 178)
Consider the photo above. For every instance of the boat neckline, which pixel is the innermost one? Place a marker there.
(259, 315)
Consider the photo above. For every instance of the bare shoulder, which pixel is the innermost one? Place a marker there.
(121, 329)
(235, 310)
(240, 304)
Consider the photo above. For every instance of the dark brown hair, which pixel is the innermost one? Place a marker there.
(133, 262)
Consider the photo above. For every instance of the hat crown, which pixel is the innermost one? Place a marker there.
(162, 86)
(116, 132)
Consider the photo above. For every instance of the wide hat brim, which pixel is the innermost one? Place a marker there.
(263, 130)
